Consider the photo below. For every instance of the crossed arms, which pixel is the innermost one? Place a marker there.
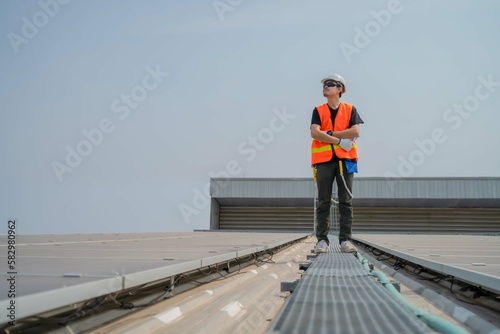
(317, 134)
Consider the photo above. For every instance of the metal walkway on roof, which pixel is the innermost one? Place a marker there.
(337, 295)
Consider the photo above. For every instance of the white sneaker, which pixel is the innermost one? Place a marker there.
(321, 247)
(347, 247)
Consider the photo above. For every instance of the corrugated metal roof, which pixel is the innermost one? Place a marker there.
(473, 258)
(208, 247)
(263, 188)
(368, 191)
(59, 270)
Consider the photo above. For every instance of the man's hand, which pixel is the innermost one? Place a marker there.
(346, 144)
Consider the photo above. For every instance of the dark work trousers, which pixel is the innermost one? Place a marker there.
(326, 173)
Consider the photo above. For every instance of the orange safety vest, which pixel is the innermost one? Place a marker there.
(322, 152)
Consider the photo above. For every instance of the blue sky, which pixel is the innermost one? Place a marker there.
(155, 97)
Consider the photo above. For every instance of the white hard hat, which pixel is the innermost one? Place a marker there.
(335, 77)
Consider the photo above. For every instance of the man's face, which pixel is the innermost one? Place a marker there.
(331, 88)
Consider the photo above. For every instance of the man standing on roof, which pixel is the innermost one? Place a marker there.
(334, 128)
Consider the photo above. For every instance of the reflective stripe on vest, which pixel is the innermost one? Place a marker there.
(322, 152)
